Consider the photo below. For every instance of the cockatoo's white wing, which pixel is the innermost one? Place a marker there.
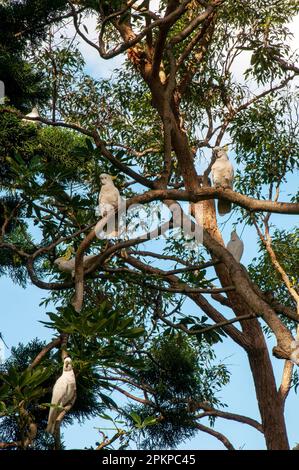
(109, 201)
(109, 196)
(222, 173)
(236, 248)
(63, 393)
(58, 394)
(65, 265)
(223, 176)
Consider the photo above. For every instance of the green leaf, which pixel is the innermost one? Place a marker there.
(133, 332)
(149, 421)
(136, 418)
(108, 401)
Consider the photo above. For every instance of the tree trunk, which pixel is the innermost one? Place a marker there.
(270, 405)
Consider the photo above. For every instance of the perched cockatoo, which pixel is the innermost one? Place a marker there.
(68, 265)
(64, 394)
(223, 176)
(33, 114)
(235, 246)
(109, 201)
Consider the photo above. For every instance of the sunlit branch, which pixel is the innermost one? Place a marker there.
(286, 381)
(267, 241)
(194, 23)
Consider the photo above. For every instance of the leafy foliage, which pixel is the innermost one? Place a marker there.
(23, 26)
(180, 372)
(32, 389)
(286, 247)
(266, 139)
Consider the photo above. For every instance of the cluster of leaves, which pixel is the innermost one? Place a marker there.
(15, 139)
(102, 322)
(11, 263)
(286, 247)
(266, 140)
(263, 36)
(179, 371)
(21, 388)
(24, 23)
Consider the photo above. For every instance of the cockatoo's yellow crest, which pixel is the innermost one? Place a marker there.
(68, 253)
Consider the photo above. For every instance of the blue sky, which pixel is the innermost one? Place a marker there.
(21, 313)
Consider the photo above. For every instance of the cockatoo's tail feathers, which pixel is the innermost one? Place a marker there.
(224, 207)
(235, 246)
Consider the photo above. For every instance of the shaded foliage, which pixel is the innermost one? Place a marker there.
(180, 372)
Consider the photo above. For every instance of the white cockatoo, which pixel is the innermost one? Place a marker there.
(235, 246)
(223, 176)
(68, 265)
(33, 114)
(109, 201)
(63, 395)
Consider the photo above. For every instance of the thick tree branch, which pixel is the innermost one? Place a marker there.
(209, 411)
(207, 193)
(200, 300)
(53, 344)
(136, 38)
(161, 40)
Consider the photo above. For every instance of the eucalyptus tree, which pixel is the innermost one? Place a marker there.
(178, 94)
